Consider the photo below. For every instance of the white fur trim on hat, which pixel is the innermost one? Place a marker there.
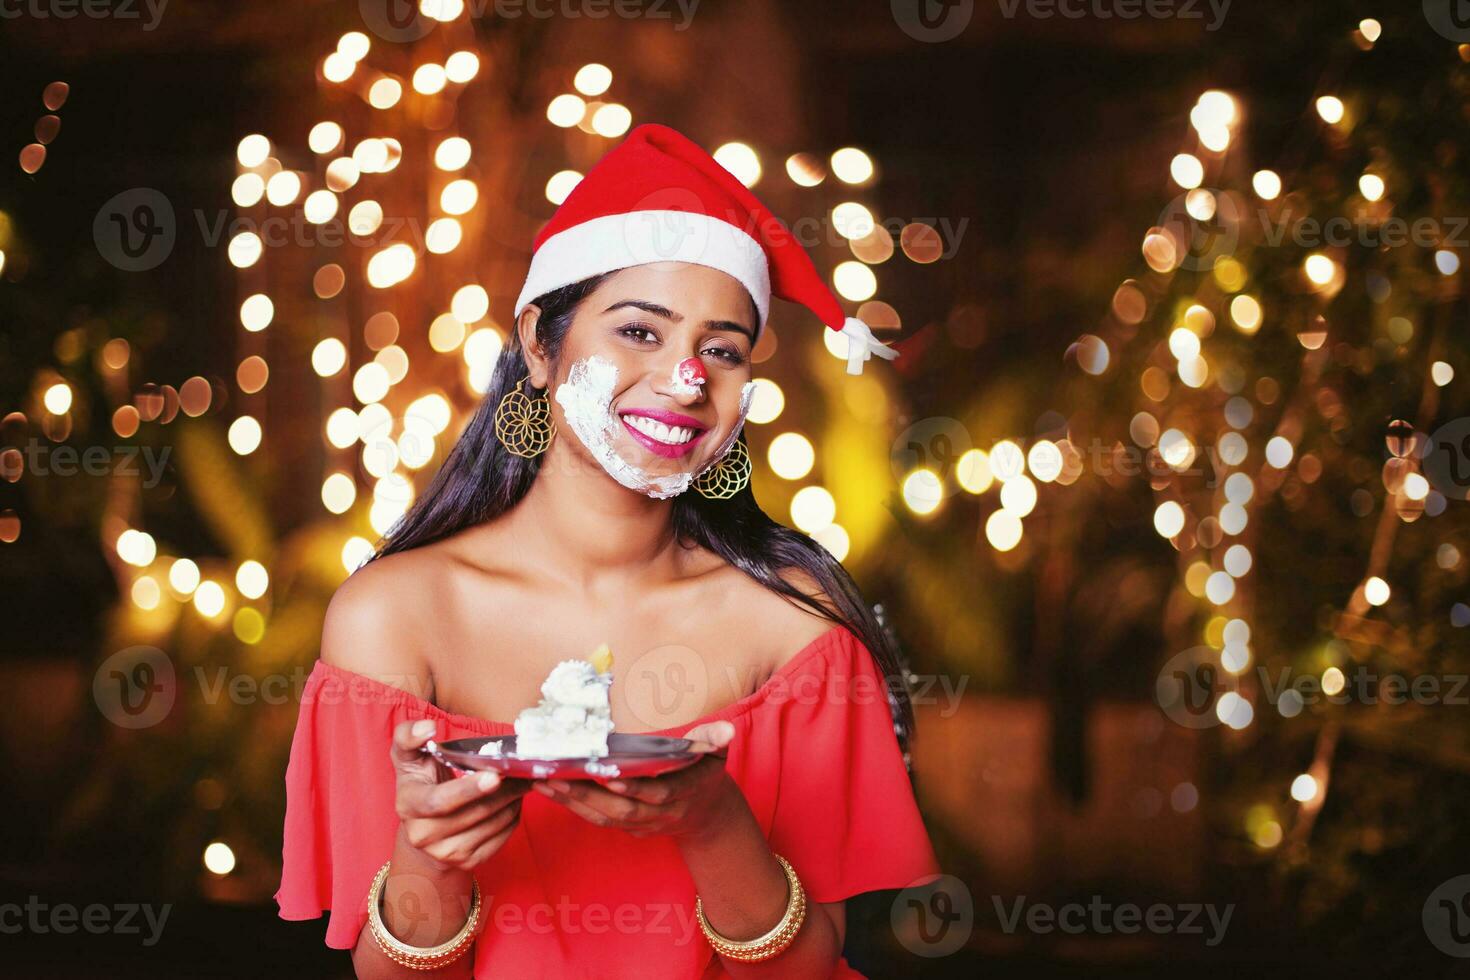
(619, 241)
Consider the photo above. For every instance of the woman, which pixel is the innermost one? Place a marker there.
(600, 494)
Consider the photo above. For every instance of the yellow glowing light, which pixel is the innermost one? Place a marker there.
(766, 402)
(443, 11)
(470, 303)
(855, 281)
(1168, 519)
(337, 67)
(145, 592)
(429, 79)
(834, 538)
(1331, 109)
(1372, 187)
(342, 174)
(1319, 269)
(791, 455)
(247, 190)
(1267, 184)
(433, 409)
(611, 120)
(371, 155)
(973, 471)
(922, 491)
(852, 166)
(209, 598)
(852, 220)
(1187, 171)
(252, 579)
(257, 312)
(561, 184)
(328, 357)
(740, 160)
(356, 551)
(461, 66)
(593, 79)
(245, 249)
(443, 235)
(812, 508)
(1007, 461)
(1304, 788)
(805, 170)
(446, 333)
(136, 547)
(391, 266)
(219, 859)
(365, 217)
(354, 45)
(481, 348)
(342, 428)
(253, 150)
(338, 493)
(566, 111)
(1003, 529)
(183, 576)
(57, 398)
(320, 207)
(324, 137)
(1333, 681)
(458, 196)
(452, 154)
(1245, 311)
(283, 188)
(1447, 262)
(370, 383)
(1018, 495)
(1376, 591)
(1183, 343)
(385, 93)
(244, 435)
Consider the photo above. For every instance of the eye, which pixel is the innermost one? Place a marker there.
(640, 332)
(726, 354)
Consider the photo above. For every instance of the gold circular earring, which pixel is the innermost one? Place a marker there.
(727, 477)
(523, 424)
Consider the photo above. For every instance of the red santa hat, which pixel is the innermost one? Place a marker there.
(659, 197)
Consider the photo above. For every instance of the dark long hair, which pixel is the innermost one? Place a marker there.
(481, 480)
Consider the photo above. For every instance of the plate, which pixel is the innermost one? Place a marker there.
(628, 756)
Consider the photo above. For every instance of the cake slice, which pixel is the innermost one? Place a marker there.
(574, 717)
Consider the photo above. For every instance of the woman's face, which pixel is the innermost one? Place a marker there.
(626, 379)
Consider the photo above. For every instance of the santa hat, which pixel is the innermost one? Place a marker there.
(659, 197)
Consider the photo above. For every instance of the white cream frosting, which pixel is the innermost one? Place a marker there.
(586, 399)
(573, 719)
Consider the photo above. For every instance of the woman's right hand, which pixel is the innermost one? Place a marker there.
(455, 822)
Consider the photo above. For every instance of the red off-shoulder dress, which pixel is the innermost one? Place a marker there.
(814, 753)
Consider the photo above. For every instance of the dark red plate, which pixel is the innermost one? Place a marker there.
(628, 756)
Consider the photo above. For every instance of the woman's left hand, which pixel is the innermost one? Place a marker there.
(684, 803)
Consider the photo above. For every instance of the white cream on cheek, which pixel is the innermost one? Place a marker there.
(586, 399)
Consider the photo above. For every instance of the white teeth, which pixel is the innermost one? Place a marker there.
(670, 435)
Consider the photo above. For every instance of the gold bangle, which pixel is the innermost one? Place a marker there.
(780, 936)
(420, 957)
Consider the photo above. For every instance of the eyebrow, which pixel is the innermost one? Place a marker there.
(668, 314)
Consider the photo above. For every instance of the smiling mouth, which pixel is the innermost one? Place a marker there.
(672, 436)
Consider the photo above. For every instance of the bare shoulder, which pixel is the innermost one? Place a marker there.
(779, 627)
(368, 625)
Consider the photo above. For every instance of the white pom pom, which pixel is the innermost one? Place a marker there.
(861, 345)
